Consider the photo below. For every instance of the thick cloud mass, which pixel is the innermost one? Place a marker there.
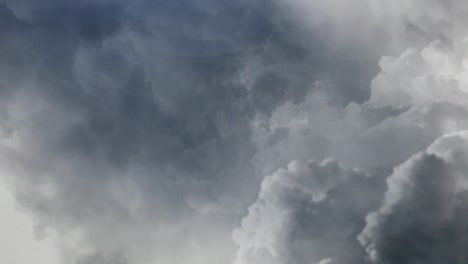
(423, 217)
(416, 98)
(141, 131)
(308, 213)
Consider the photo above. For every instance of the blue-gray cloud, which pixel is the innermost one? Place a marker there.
(141, 131)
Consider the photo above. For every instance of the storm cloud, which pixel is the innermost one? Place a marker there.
(156, 131)
(423, 216)
(308, 212)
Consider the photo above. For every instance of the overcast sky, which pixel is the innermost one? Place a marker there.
(233, 132)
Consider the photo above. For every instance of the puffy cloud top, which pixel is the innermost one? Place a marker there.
(141, 131)
(423, 216)
(309, 212)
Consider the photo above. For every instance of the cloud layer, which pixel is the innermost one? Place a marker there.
(308, 212)
(423, 216)
(141, 132)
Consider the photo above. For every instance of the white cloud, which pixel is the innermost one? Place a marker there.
(309, 212)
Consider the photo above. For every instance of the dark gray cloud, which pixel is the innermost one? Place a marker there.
(128, 118)
(416, 98)
(423, 216)
(153, 122)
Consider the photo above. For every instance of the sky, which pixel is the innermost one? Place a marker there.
(18, 233)
(233, 132)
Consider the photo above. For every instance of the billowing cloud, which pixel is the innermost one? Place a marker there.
(133, 120)
(309, 212)
(142, 131)
(322, 213)
(416, 98)
(423, 216)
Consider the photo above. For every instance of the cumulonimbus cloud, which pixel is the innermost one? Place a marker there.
(142, 131)
(309, 212)
(423, 216)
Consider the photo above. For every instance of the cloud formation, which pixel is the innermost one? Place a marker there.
(142, 131)
(416, 98)
(309, 212)
(423, 216)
